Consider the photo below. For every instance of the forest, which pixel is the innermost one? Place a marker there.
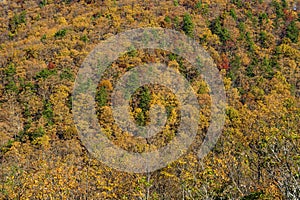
(255, 45)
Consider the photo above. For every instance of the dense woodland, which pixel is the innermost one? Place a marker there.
(255, 44)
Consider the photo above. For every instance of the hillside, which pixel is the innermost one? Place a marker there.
(256, 47)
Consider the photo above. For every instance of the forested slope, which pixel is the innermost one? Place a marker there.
(255, 44)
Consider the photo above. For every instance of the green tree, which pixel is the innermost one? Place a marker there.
(292, 32)
(188, 25)
(218, 29)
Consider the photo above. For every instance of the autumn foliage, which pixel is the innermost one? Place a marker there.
(256, 47)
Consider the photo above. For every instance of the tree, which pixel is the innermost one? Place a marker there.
(218, 29)
(292, 32)
(188, 25)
